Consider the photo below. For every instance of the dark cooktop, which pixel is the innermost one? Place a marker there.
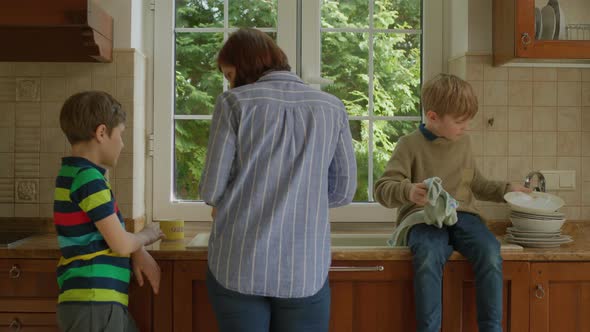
(8, 239)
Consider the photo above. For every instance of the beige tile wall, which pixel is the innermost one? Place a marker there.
(32, 144)
(530, 119)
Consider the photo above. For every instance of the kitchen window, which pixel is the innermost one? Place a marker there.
(369, 53)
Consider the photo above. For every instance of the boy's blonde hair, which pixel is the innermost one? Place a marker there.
(83, 112)
(448, 94)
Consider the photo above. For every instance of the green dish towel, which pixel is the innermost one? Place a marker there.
(440, 210)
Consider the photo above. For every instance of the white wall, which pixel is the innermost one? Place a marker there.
(456, 28)
(480, 26)
(129, 21)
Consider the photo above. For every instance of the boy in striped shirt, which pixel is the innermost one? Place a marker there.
(94, 270)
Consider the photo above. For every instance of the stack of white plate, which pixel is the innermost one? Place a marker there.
(535, 220)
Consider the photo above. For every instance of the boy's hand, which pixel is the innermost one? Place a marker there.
(143, 263)
(418, 193)
(518, 187)
(151, 234)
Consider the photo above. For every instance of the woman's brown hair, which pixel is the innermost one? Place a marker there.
(252, 52)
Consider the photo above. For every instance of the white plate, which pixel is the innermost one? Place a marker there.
(534, 235)
(548, 18)
(546, 226)
(538, 23)
(545, 216)
(514, 229)
(535, 245)
(557, 239)
(535, 202)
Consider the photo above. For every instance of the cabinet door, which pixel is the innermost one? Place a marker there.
(28, 278)
(560, 296)
(459, 308)
(192, 311)
(372, 296)
(152, 312)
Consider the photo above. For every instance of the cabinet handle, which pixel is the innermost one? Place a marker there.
(15, 325)
(378, 268)
(525, 39)
(539, 291)
(14, 272)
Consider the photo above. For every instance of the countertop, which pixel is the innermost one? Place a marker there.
(44, 245)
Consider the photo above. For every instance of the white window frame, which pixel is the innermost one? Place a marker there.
(162, 193)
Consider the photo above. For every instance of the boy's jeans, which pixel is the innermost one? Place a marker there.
(432, 247)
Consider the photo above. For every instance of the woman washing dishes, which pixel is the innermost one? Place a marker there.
(280, 155)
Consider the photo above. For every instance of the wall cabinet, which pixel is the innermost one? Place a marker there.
(529, 29)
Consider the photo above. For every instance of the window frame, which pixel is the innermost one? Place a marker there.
(164, 52)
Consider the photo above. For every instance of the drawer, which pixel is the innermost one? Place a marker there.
(24, 322)
(28, 304)
(28, 277)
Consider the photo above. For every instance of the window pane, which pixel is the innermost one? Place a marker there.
(344, 59)
(253, 13)
(360, 140)
(398, 14)
(386, 134)
(199, 13)
(190, 150)
(345, 13)
(198, 81)
(397, 74)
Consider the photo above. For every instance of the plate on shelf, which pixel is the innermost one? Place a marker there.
(548, 19)
(555, 239)
(538, 23)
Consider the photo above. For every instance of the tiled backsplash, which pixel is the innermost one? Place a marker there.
(530, 118)
(32, 143)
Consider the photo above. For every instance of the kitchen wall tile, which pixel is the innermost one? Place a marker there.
(586, 146)
(544, 93)
(495, 93)
(571, 198)
(26, 165)
(544, 143)
(28, 89)
(479, 59)
(7, 69)
(544, 74)
(491, 73)
(496, 168)
(6, 165)
(495, 118)
(520, 93)
(544, 118)
(570, 163)
(28, 115)
(78, 83)
(520, 143)
(544, 163)
(45, 210)
(585, 118)
(569, 119)
(26, 191)
(474, 72)
(568, 144)
(128, 140)
(53, 89)
(7, 210)
(27, 69)
(571, 212)
(586, 75)
(124, 191)
(50, 114)
(46, 190)
(78, 69)
(105, 69)
(478, 90)
(585, 193)
(50, 164)
(456, 67)
(520, 74)
(585, 169)
(495, 143)
(7, 89)
(124, 168)
(124, 61)
(518, 167)
(7, 142)
(27, 140)
(7, 115)
(569, 74)
(586, 94)
(520, 118)
(105, 83)
(585, 213)
(53, 69)
(124, 89)
(569, 94)
(6, 190)
(52, 140)
(476, 142)
(26, 210)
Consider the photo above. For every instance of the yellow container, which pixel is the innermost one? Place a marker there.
(172, 228)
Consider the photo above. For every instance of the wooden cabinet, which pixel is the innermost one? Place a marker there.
(372, 296)
(459, 306)
(515, 34)
(560, 296)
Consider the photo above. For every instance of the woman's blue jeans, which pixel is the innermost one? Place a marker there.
(433, 246)
(236, 312)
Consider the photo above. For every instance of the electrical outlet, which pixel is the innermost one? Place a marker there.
(560, 180)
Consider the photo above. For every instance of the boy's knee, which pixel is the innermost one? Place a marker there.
(428, 257)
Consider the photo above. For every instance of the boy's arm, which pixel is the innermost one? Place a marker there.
(123, 242)
(342, 170)
(220, 153)
(143, 263)
(488, 190)
(393, 188)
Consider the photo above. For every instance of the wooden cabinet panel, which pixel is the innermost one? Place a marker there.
(560, 297)
(378, 300)
(28, 322)
(28, 278)
(192, 311)
(459, 306)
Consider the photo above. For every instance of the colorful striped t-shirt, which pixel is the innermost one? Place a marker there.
(88, 271)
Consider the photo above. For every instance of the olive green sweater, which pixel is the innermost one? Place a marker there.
(417, 158)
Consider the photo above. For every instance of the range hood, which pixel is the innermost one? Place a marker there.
(55, 31)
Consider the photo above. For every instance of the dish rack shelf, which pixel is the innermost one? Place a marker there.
(577, 31)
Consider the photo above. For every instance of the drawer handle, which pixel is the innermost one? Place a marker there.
(14, 272)
(539, 291)
(378, 268)
(15, 325)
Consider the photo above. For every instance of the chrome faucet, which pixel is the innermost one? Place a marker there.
(540, 181)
